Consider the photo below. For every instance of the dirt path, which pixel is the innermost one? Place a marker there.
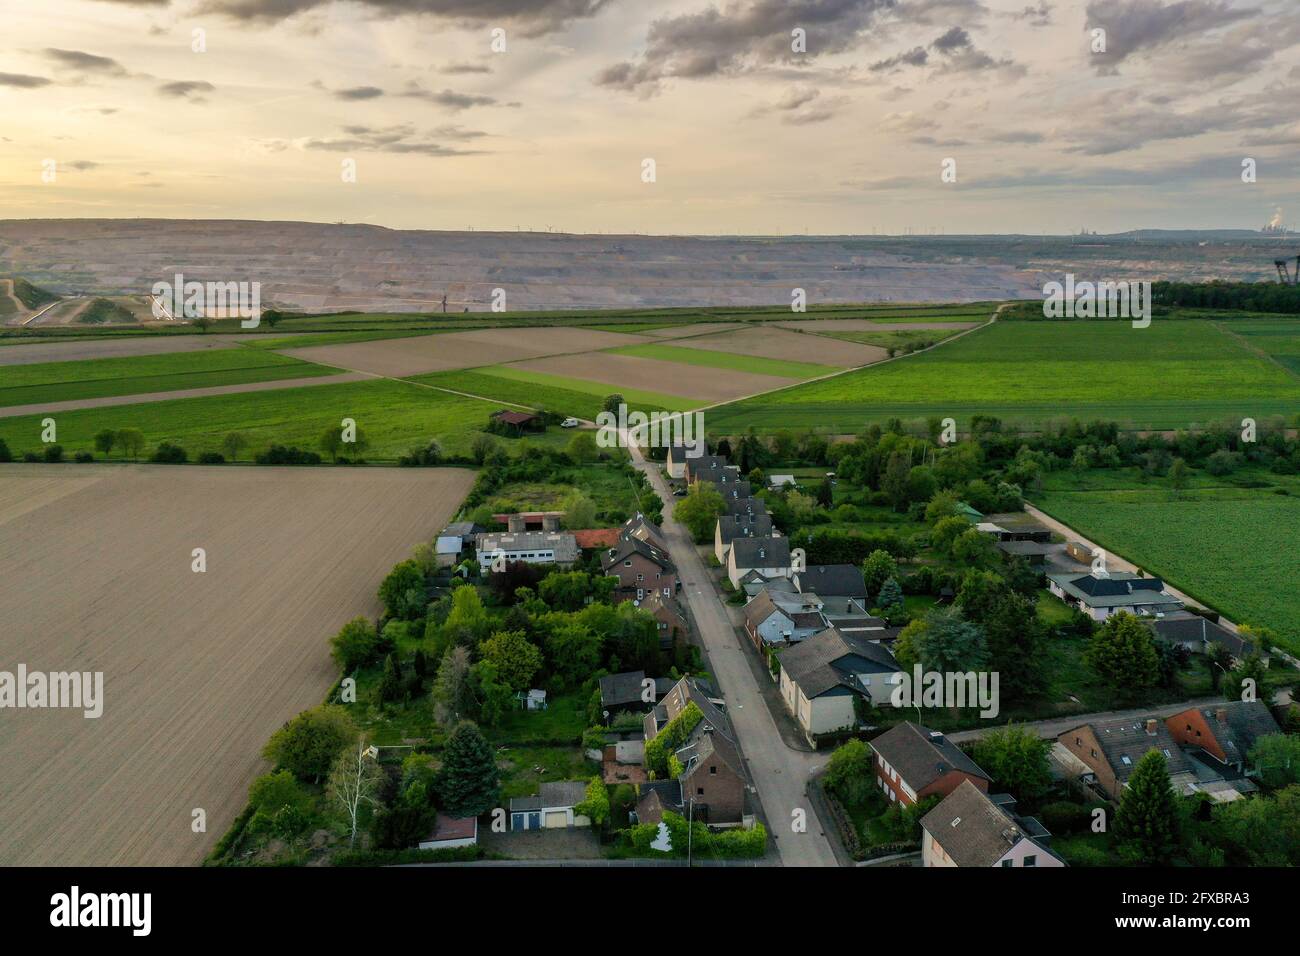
(110, 401)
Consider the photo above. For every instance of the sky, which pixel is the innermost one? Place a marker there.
(759, 116)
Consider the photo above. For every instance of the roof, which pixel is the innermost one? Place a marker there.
(462, 529)
(626, 546)
(1125, 741)
(972, 829)
(835, 580)
(562, 543)
(731, 527)
(742, 506)
(532, 517)
(1236, 725)
(448, 544)
(640, 527)
(452, 828)
(596, 537)
(777, 480)
(1018, 522)
(619, 689)
(1183, 626)
(514, 418)
(761, 552)
(830, 657)
(655, 601)
(921, 756)
(734, 490)
(760, 607)
(562, 793)
(1116, 589)
(700, 692)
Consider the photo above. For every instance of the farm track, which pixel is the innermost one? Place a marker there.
(199, 669)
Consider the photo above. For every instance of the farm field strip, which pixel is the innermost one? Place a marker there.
(108, 346)
(698, 385)
(869, 325)
(93, 378)
(521, 383)
(393, 415)
(775, 342)
(198, 669)
(709, 358)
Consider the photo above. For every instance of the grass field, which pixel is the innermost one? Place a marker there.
(395, 416)
(727, 360)
(95, 378)
(1230, 548)
(1278, 338)
(1168, 375)
(556, 393)
(894, 339)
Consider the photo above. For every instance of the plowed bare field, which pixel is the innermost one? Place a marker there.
(777, 343)
(111, 347)
(672, 378)
(865, 325)
(439, 353)
(199, 669)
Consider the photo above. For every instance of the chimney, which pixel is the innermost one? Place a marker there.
(1151, 727)
(516, 523)
(550, 522)
(1221, 715)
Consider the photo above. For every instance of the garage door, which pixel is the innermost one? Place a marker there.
(557, 818)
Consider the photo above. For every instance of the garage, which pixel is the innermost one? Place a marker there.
(557, 818)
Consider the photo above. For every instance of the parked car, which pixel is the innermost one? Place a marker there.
(569, 423)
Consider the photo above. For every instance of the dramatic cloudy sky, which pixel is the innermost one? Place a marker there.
(747, 135)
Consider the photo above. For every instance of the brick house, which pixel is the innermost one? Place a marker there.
(1225, 732)
(641, 569)
(913, 762)
(669, 618)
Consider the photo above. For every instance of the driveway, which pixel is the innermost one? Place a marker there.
(779, 772)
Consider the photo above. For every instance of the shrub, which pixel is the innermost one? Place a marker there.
(5, 453)
(282, 455)
(83, 456)
(169, 454)
(1063, 816)
(53, 453)
(427, 457)
(356, 644)
(212, 458)
(30, 456)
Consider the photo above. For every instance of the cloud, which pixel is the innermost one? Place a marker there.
(530, 17)
(191, 90)
(956, 53)
(1038, 16)
(803, 106)
(399, 139)
(917, 56)
(22, 81)
(82, 62)
(1135, 26)
(359, 93)
(456, 69)
(741, 37)
(447, 98)
(80, 165)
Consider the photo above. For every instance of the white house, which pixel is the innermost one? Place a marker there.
(769, 557)
(534, 547)
(970, 828)
(731, 527)
(1101, 595)
(823, 676)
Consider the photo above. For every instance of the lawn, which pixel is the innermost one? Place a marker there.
(1230, 548)
(394, 416)
(1171, 374)
(565, 718)
(556, 393)
(727, 360)
(135, 375)
(524, 769)
(1279, 338)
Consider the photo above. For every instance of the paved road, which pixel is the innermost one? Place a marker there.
(779, 772)
(1055, 726)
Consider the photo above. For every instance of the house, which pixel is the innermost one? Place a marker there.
(552, 808)
(712, 786)
(1198, 635)
(969, 828)
(823, 677)
(840, 586)
(1034, 553)
(768, 623)
(464, 530)
(1015, 526)
(446, 549)
(632, 691)
(519, 422)
(1111, 749)
(641, 568)
(913, 762)
(770, 557)
(643, 530)
(744, 506)
(1223, 733)
(449, 832)
(669, 618)
(777, 482)
(720, 475)
(1101, 594)
(534, 547)
(694, 468)
(679, 453)
(734, 491)
(731, 527)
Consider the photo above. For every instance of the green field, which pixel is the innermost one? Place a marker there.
(393, 415)
(1278, 338)
(136, 375)
(555, 393)
(708, 358)
(1169, 375)
(895, 340)
(1233, 549)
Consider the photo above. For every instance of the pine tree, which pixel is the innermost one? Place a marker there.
(1147, 823)
(468, 781)
(890, 600)
(1123, 652)
(390, 685)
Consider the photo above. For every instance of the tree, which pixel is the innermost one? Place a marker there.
(1246, 678)
(849, 773)
(951, 644)
(279, 803)
(1276, 757)
(308, 745)
(467, 614)
(492, 695)
(825, 493)
(1147, 823)
(595, 805)
(975, 549)
(894, 482)
(403, 592)
(1219, 659)
(201, 322)
(354, 645)
(1017, 760)
(612, 402)
(354, 782)
(574, 652)
(946, 531)
(105, 439)
(516, 660)
(1123, 653)
(482, 448)
(579, 511)
(468, 781)
(331, 442)
(582, 447)
(451, 688)
(390, 685)
(877, 569)
(233, 444)
(131, 441)
(890, 600)
(699, 511)
(1178, 476)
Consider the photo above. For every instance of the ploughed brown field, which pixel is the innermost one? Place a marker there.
(452, 350)
(199, 669)
(652, 375)
(778, 343)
